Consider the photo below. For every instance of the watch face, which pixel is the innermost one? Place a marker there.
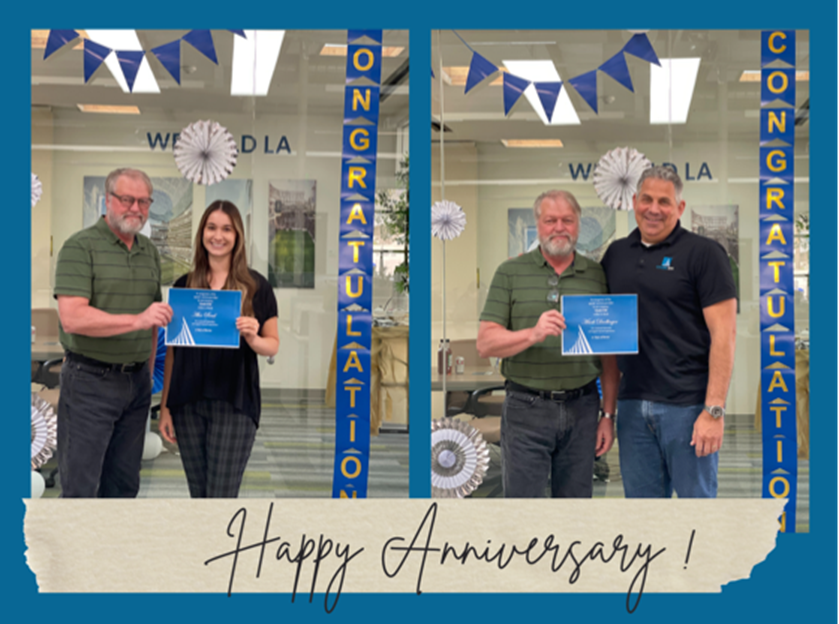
(716, 411)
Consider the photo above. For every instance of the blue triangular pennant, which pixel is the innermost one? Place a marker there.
(130, 61)
(548, 94)
(513, 88)
(241, 33)
(616, 68)
(57, 39)
(202, 40)
(641, 47)
(586, 86)
(169, 55)
(94, 56)
(479, 68)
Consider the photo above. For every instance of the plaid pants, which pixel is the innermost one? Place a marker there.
(215, 442)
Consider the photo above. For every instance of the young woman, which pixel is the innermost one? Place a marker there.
(211, 403)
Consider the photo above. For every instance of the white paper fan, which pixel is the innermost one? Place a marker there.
(44, 431)
(447, 220)
(459, 458)
(205, 152)
(36, 189)
(617, 175)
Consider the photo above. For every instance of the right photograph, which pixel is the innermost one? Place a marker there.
(620, 265)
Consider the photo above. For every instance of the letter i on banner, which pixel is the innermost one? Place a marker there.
(355, 263)
(777, 288)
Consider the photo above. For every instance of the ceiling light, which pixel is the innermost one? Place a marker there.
(125, 41)
(39, 39)
(753, 75)
(531, 142)
(457, 76)
(106, 108)
(340, 49)
(254, 61)
(545, 71)
(671, 89)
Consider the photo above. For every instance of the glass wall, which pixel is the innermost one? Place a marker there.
(284, 108)
(495, 165)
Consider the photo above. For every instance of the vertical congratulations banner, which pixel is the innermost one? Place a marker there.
(355, 263)
(777, 318)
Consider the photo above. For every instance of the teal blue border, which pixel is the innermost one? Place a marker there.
(797, 580)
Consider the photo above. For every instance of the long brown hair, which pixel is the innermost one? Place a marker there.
(239, 277)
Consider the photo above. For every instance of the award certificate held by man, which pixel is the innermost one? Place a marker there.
(600, 324)
(204, 318)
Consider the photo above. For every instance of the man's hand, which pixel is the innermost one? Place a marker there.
(707, 434)
(157, 314)
(551, 323)
(605, 436)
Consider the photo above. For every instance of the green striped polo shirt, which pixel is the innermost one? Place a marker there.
(517, 298)
(97, 265)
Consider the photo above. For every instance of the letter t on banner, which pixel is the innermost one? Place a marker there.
(355, 263)
(777, 288)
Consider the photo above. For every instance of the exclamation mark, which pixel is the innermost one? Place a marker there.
(690, 545)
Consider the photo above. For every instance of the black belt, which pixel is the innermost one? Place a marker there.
(555, 395)
(131, 367)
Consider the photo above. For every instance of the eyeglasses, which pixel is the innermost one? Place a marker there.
(127, 201)
(553, 293)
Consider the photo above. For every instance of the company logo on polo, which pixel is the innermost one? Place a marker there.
(665, 264)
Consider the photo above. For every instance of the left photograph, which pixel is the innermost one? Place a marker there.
(220, 274)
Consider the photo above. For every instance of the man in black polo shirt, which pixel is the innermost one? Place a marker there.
(671, 406)
(107, 282)
(549, 421)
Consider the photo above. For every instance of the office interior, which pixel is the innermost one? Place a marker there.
(283, 101)
(494, 166)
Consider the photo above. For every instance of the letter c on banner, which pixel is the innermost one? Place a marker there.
(770, 82)
(356, 59)
(779, 163)
(784, 493)
(360, 144)
(357, 470)
(771, 42)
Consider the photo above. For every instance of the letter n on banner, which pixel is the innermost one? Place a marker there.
(355, 263)
(777, 288)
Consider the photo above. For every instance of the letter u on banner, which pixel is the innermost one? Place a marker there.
(355, 264)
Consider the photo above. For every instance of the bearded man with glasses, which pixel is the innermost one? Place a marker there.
(107, 282)
(549, 421)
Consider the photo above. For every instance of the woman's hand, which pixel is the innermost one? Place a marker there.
(166, 427)
(248, 327)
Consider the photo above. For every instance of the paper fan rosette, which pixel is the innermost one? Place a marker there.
(44, 431)
(205, 152)
(617, 174)
(459, 458)
(447, 220)
(36, 189)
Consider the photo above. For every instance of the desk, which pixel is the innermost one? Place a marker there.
(473, 378)
(47, 348)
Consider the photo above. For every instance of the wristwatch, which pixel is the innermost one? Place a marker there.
(606, 415)
(715, 410)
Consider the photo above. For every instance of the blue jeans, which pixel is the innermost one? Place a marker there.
(655, 452)
(541, 438)
(101, 430)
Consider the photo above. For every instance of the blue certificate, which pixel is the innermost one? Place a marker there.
(204, 318)
(600, 324)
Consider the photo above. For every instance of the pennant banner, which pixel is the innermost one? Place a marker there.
(130, 61)
(585, 84)
(57, 39)
(355, 263)
(777, 287)
(202, 40)
(169, 55)
(94, 55)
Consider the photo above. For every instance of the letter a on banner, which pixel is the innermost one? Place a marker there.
(355, 263)
(777, 287)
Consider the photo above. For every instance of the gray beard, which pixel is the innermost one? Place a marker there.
(560, 246)
(121, 224)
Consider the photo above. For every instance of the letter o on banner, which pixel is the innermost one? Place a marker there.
(357, 471)
(356, 59)
(770, 82)
(783, 493)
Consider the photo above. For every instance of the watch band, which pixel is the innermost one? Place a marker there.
(715, 410)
